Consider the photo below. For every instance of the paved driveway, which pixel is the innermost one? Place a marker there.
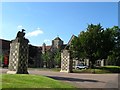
(80, 80)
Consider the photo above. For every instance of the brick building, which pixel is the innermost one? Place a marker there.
(35, 52)
(4, 52)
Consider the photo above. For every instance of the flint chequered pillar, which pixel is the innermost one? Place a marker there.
(66, 61)
(18, 59)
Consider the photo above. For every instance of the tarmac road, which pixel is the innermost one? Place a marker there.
(79, 80)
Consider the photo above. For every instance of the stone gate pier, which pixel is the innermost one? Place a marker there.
(66, 61)
(18, 59)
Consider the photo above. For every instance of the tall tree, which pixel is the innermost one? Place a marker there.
(57, 58)
(93, 43)
(75, 48)
(32, 54)
(114, 57)
(46, 57)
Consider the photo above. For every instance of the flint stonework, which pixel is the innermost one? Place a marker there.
(18, 60)
(66, 61)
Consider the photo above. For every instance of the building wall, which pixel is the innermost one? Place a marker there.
(57, 43)
(4, 51)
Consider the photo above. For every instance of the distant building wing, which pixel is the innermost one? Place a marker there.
(69, 42)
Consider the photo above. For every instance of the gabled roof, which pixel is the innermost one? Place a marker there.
(73, 36)
(57, 38)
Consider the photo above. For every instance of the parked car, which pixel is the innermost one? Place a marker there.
(81, 66)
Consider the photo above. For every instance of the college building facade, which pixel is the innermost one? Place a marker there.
(35, 54)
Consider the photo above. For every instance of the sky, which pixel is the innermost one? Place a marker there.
(44, 21)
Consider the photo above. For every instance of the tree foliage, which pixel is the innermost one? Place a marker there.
(32, 53)
(57, 58)
(47, 57)
(94, 43)
(114, 57)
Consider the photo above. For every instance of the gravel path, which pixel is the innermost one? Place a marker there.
(80, 80)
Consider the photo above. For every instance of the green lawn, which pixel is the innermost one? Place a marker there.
(112, 69)
(100, 70)
(45, 69)
(31, 81)
(97, 70)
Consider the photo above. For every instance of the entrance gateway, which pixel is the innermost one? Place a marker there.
(66, 61)
(18, 60)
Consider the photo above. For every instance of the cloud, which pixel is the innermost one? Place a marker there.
(19, 27)
(1, 37)
(34, 33)
(46, 40)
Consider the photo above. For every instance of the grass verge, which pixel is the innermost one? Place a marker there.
(97, 70)
(31, 81)
(100, 70)
(46, 69)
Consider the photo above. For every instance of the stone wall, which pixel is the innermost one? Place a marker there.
(66, 61)
(18, 59)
